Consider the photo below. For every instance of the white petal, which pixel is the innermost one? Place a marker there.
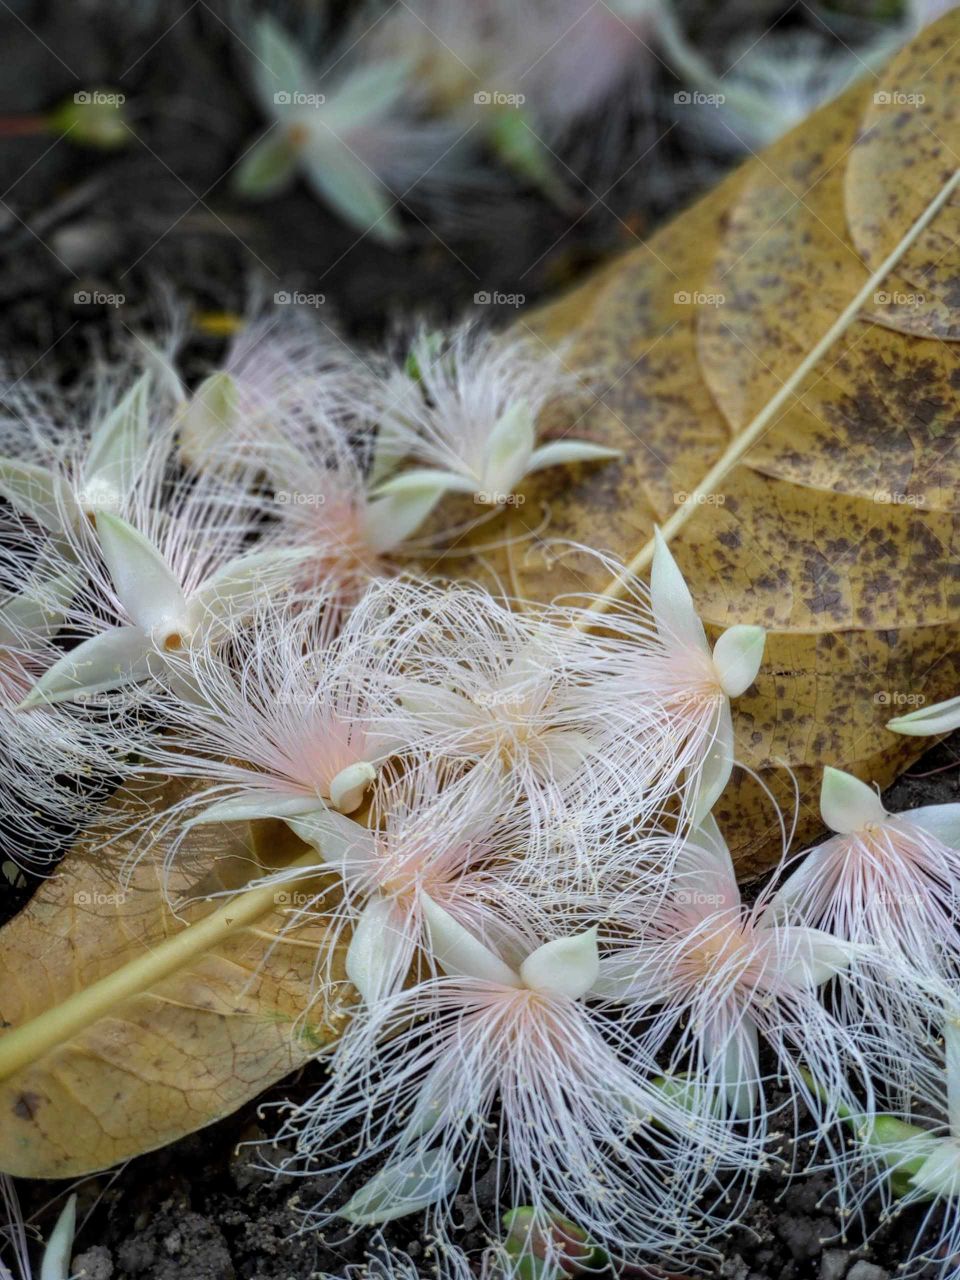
(406, 1187)
(458, 952)
(789, 898)
(237, 585)
(941, 717)
(717, 765)
(209, 419)
(353, 190)
(278, 65)
(560, 753)
(426, 479)
(380, 950)
(671, 600)
(103, 662)
(705, 879)
(442, 1091)
(564, 967)
(267, 168)
(350, 786)
(940, 1172)
(258, 804)
(942, 821)
(737, 656)
(369, 89)
(56, 1256)
(810, 957)
(733, 1054)
(394, 517)
(119, 443)
(847, 804)
(146, 585)
(168, 381)
(36, 492)
(340, 841)
(39, 610)
(509, 449)
(565, 451)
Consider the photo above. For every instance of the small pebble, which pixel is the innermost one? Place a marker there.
(834, 1263)
(867, 1271)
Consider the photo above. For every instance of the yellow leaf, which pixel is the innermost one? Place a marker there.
(136, 1029)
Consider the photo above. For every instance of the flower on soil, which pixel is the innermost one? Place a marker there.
(587, 1136)
(357, 136)
(910, 1165)
(708, 977)
(889, 881)
(281, 365)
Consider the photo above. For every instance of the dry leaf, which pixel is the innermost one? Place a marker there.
(837, 532)
(184, 1051)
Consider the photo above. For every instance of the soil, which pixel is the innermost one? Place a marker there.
(158, 214)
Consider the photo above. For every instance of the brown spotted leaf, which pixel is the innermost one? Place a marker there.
(838, 531)
(180, 1052)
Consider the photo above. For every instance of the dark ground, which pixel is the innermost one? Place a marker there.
(157, 212)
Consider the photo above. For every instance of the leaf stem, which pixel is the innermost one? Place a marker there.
(755, 428)
(29, 1042)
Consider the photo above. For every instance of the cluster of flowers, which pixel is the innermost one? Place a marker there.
(555, 982)
(414, 101)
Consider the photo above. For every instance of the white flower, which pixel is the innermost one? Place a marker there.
(163, 597)
(665, 679)
(476, 421)
(889, 884)
(74, 476)
(358, 137)
(587, 1136)
(708, 975)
